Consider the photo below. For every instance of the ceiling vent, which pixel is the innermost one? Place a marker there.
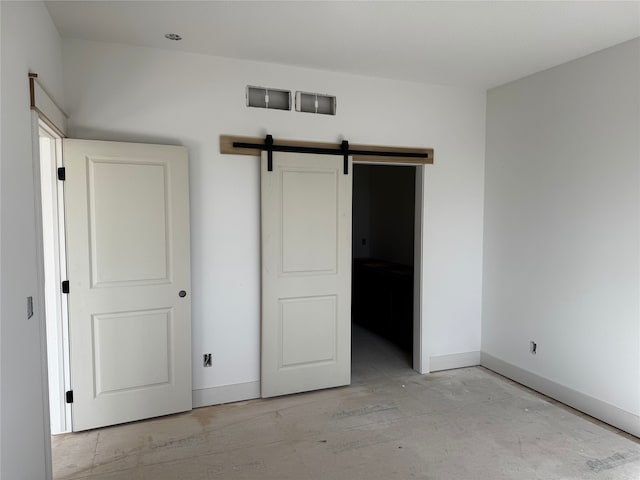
(270, 98)
(315, 103)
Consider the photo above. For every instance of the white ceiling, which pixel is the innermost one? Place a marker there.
(476, 44)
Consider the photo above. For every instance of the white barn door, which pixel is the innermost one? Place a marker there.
(306, 273)
(127, 226)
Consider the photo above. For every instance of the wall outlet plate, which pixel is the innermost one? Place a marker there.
(206, 360)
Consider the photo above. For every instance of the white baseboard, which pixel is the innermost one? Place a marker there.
(226, 394)
(591, 406)
(455, 360)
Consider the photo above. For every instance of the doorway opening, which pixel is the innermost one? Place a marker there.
(384, 267)
(54, 259)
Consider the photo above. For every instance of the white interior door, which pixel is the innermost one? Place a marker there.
(127, 214)
(306, 273)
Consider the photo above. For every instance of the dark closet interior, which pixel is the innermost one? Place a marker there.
(383, 237)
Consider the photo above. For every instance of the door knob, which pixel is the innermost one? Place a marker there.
(182, 293)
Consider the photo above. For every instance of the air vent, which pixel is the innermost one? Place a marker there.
(270, 98)
(315, 103)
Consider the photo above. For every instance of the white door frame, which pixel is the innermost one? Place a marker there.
(420, 353)
(54, 271)
(39, 298)
(420, 345)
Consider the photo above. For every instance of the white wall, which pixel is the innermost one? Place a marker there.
(562, 241)
(29, 42)
(116, 92)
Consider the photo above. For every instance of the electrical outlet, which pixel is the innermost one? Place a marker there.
(533, 348)
(206, 360)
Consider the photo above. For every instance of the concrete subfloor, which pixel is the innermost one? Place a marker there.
(391, 423)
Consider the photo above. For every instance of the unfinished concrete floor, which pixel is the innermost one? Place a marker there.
(391, 423)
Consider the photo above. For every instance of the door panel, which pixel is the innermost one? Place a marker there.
(308, 328)
(125, 333)
(127, 211)
(309, 241)
(306, 273)
(114, 257)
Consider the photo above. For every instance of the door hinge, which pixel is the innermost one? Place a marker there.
(65, 286)
(62, 173)
(69, 396)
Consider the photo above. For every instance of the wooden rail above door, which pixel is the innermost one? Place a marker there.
(227, 147)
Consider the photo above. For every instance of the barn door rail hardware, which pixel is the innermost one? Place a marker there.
(252, 146)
